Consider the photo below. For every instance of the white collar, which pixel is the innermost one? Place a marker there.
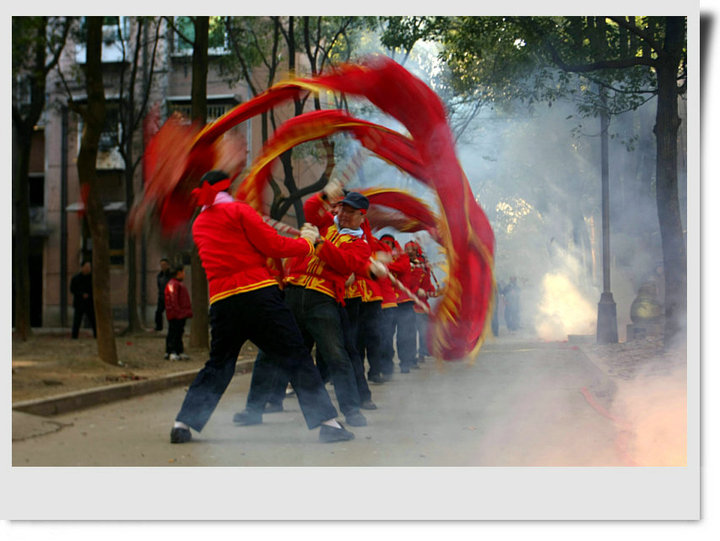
(358, 233)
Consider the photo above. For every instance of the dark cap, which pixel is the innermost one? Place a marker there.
(212, 177)
(356, 200)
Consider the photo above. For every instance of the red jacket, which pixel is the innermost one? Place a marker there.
(235, 243)
(335, 259)
(177, 300)
(424, 283)
(331, 265)
(368, 289)
(387, 291)
(400, 268)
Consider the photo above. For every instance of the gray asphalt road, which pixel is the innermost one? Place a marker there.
(519, 404)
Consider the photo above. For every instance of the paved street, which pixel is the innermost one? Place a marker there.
(520, 404)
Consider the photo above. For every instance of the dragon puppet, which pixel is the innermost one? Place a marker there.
(180, 153)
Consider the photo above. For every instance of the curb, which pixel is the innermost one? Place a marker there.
(110, 393)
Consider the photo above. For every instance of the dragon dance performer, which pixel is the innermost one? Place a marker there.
(315, 289)
(321, 211)
(381, 360)
(246, 303)
(424, 289)
(403, 322)
(369, 315)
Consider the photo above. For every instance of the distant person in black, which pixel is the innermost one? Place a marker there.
(163, 278)
(511, 294)
(495, 315)
(81, 288)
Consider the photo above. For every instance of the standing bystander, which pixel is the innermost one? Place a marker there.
(179, 309)
(163, 277)
(81, 288)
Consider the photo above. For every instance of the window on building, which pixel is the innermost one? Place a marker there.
(217, 42)
(112, 129)
(37, 190)
(116, 230)
(214, 110)
(115, 28)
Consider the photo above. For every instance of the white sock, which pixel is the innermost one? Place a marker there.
(333, 423)
(178, 424)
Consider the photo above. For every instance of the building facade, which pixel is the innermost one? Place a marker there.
(60, 238)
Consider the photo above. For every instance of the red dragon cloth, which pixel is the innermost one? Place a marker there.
(178, 157)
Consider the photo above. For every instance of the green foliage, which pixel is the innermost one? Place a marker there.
(24, 41)
(505, 60)
(185, 32)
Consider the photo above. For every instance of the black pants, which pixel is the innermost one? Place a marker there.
(350, 317)
(83, 308)
(262, 317)
(388, 323)
(421, 322)
(159, 316)
(370, 336)
(406, 335)
(320, 323)
(173, 340)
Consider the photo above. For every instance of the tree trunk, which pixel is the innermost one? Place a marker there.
(21, 244)
(93, 119)
(134, 324)
(22, 140)
(199, 335)
(671, 228)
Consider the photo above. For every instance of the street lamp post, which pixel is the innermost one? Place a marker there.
(607, 332)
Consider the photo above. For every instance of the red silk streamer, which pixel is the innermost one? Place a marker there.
(409, 214)
(179, 154)
(457, 327)
(316, 125)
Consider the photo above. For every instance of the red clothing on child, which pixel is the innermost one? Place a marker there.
(177, 300)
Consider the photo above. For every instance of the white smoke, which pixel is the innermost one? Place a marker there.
(540, 185)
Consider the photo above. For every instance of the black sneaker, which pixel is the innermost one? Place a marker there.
(246, 418)
(376, 378)
(368, 405)
(329, 434)
(180, 435)
(356, 419)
